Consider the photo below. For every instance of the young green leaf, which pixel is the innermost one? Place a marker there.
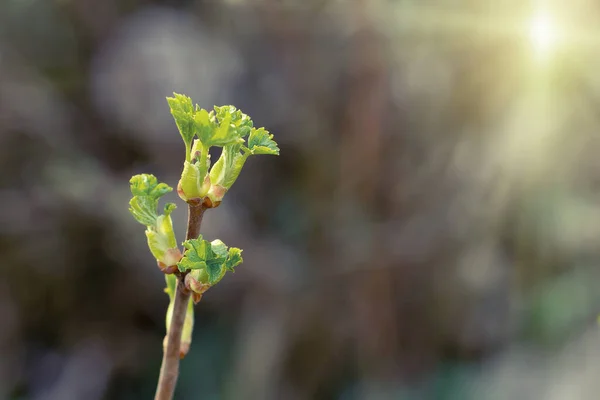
(183, 113)
(215, 270)
(146, 192)
(227, 168)
(261, 142)
(143, 209)
(164, 224)
(204, 124)
(211, 259)
(193, 183)
(213, 132)
(147, 185)
(160, 247)
(161, 238)
(159, 228)
(219, 248)
(180, 103)
(234, 258)
(238, 120)
(195, 256)
(193, 281)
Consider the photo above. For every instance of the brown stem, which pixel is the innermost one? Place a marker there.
(195, 214)
(169, 370)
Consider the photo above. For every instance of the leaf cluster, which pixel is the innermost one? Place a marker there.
(226, 127)
(210, 260)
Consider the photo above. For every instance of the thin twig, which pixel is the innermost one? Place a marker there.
(169, 370)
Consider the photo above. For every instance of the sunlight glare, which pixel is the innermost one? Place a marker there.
(543, 33)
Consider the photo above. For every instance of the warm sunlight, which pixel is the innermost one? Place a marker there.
(543, 33)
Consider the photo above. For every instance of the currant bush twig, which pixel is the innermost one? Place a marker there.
(174, 348)
(202, 264)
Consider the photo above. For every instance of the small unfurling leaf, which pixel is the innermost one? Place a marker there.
(196, 253)
(159, 228)
(234, 258)
(226, 170)
(146, 192)
(183, 113)
(208, 261)
(239, 121)
(261, 142)
(205, 125)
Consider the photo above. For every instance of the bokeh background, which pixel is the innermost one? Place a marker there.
(431, 229)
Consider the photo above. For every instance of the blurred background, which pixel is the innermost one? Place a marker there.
(431, 229)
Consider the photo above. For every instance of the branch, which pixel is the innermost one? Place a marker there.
(169, 371)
